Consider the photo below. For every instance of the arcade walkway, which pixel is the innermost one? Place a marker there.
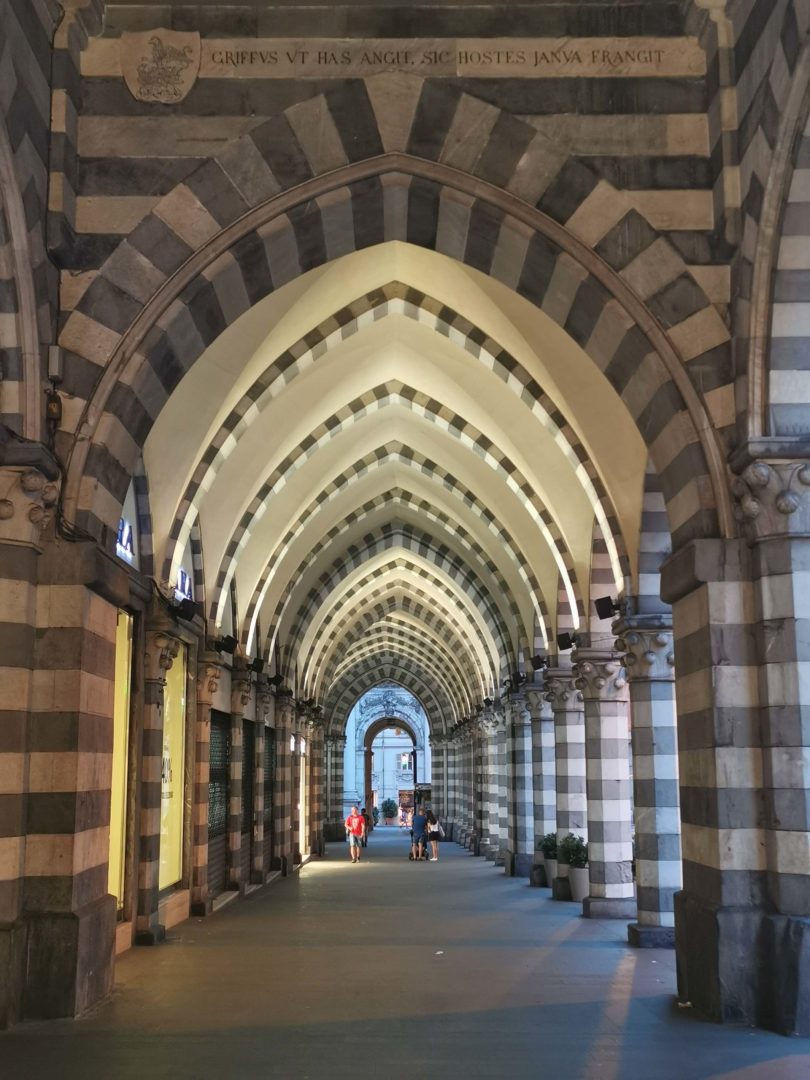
(393, 969)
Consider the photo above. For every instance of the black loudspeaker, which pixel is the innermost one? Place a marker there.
(257, 665)
(226, 644)
(606, 607)
(186, 609)
(565, 642)
(538, 662)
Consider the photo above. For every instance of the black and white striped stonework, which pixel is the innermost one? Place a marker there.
(397, 201)
(520, 788)
(283, 786)
(569, 749)
(544, 768)
(208, 677)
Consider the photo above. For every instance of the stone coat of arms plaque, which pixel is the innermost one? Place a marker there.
(160, 65)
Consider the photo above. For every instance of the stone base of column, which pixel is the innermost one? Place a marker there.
(561, 889)
(153, 936)
(12, 971)
(786, 944)
(334, 832)
(475, 845)
(607, 907)
(499, 857)
(201, 908)
(518, 864)
(641, 936)
(537, 876)
(70, 957)
(258, 877)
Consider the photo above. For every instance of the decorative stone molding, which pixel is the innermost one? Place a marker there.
(772, 498)
(519, 710)
(240, 690)
(27, 504)
(646, 650)
(208, 676)
(159, 655)
(599, 675)
(559, 689)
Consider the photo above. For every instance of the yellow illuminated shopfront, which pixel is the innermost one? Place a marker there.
(173, 773)
(120, 757)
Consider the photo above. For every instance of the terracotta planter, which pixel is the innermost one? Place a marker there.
(551, 870)
(579, 880)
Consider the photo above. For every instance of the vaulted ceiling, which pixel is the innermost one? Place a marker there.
(397, 465)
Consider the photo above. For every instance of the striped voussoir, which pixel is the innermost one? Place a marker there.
(394, 298)
(410, 577)
(636, 311)
(392, 453)
(392, 393)
(398, 538)
(369, 673)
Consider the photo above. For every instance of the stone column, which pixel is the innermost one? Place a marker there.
(501, 786)
(282, 808)
(28, 493)
(338, 781)
(264, 706)
(439, 788)
(480, 791)
(240, 699)
(489, 839)
(209, 672)
(544, 770)
(646, 646)
(774, 509)
(520, 838)
(160, 653)
(603, 683)
(317, 786)
(569, 756)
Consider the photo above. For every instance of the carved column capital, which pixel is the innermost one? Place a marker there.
(240, 690)
(772, 498)
(646, 647)
(208, 676)
(600, 675)
(560, 690)
(161, 651)
(27, 503)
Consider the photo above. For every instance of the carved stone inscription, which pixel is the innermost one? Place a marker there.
(469, 58)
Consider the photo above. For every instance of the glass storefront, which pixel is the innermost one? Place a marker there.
(120, 757)
(173, 773)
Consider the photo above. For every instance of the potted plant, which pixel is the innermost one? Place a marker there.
(576, 856)
(548, 846)
(375, 814)
(389, 811)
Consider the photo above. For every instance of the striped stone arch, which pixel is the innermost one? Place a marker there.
(399, 452)
(428, 622)
(417, 541)
(381, 680)
(422, 647)
(379, 397)
(395, 298)
(417, 597)
(478, 185)
(143, 510)
(388, 667)
(341, 612)
(441, 639)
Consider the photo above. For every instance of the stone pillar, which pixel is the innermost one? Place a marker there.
(544, 770)
(501, 786)
(264, 706)
(774, 508)
(27, 495)
(317, 786)
(520, 793)
(160, 652)
(603, 683)
(240, 699)
(569, 756)
(209, 673)
(488, 844)
(299, 808)
(646, 645)
(336, 787)
(439, 788)
(282, 817)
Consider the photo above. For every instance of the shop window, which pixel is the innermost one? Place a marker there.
(120, 757)
(218, 774)
(248, 768)
(173, 773)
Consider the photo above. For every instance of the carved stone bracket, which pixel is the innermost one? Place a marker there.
(646, 650)
(599, 675)
(240, 690)
(208, 676)
(772, 498)
(160, 654)
(27, 504)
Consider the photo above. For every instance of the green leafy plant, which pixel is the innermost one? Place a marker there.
(375, 813)
(389, 808)
(548, 845)
(574, 851)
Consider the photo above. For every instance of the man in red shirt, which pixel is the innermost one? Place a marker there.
(355, 831)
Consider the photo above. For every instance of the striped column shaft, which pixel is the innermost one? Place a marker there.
(297, 810)
(318, 789)
(520, 854)
(502, 789)
(602, 680)
(257, 854)
(208, 677)
(339, 779)
(569, 752)
(489, 787)
(544, 769)
(648, 654)
(159, 654)
(282, 806)
(240, 699)
(480, 789)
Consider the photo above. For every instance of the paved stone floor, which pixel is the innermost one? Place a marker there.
(396, 969)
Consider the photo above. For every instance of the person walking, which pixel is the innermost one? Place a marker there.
(355, 831)
(367, 822)
(434, 833)
(418, 833)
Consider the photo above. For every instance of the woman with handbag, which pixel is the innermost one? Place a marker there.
(434, 834)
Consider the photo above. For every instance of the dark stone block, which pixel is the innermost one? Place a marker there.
(522, 866)
(651, 937)
(600, 907)
(537, 877)
(12, 968)
(786, 1004)
(561, 889)
(155, 935)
